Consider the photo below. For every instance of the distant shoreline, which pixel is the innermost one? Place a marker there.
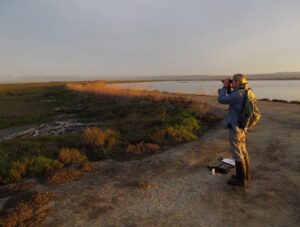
(182, 80)
(135, 81)
(132, 79)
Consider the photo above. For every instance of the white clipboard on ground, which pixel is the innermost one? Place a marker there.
(228, 161)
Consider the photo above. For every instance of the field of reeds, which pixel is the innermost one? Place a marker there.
(126, 124)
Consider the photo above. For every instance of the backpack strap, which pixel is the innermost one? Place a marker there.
(245, 92)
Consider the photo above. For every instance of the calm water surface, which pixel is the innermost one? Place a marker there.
(273, 89)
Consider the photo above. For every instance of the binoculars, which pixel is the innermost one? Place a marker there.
(230, 81)
(228, 86)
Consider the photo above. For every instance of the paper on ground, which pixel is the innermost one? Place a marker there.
(228, 161)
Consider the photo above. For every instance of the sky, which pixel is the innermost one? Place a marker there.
(121, 38)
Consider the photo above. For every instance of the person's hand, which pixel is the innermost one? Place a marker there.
(226, 83)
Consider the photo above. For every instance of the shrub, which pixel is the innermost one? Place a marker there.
(181, 126)
(172, 134)
(104, 152)
(295, 102)
(71, 155)
(186, 118)
(95, 136)
(17, 170)
(11, 171)
(4, 167)
(39, 165)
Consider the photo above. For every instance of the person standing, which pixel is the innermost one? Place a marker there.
(233, 94)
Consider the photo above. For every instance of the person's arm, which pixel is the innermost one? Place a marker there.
(223, 97)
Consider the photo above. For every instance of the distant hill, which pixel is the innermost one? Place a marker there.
(276, 76)
(263, 76)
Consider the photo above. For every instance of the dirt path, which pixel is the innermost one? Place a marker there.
(175, 188)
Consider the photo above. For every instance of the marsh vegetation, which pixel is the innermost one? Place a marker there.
(126, 124)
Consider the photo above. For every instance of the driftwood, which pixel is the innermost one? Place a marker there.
(51, 129)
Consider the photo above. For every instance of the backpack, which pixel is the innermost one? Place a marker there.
(250, 114)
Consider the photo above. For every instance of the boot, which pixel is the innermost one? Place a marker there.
(240, 178)
(247, 168)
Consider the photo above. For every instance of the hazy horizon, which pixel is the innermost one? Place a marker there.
(89, 39)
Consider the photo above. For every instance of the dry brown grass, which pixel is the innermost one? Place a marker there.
(87, 167)
(71, 155)
(141, 184)
(104, 89)
(25, 209)
(204, 109)
(94, 136)
(142, 148)
(27, 86)
(63, 176)
(12, 189)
